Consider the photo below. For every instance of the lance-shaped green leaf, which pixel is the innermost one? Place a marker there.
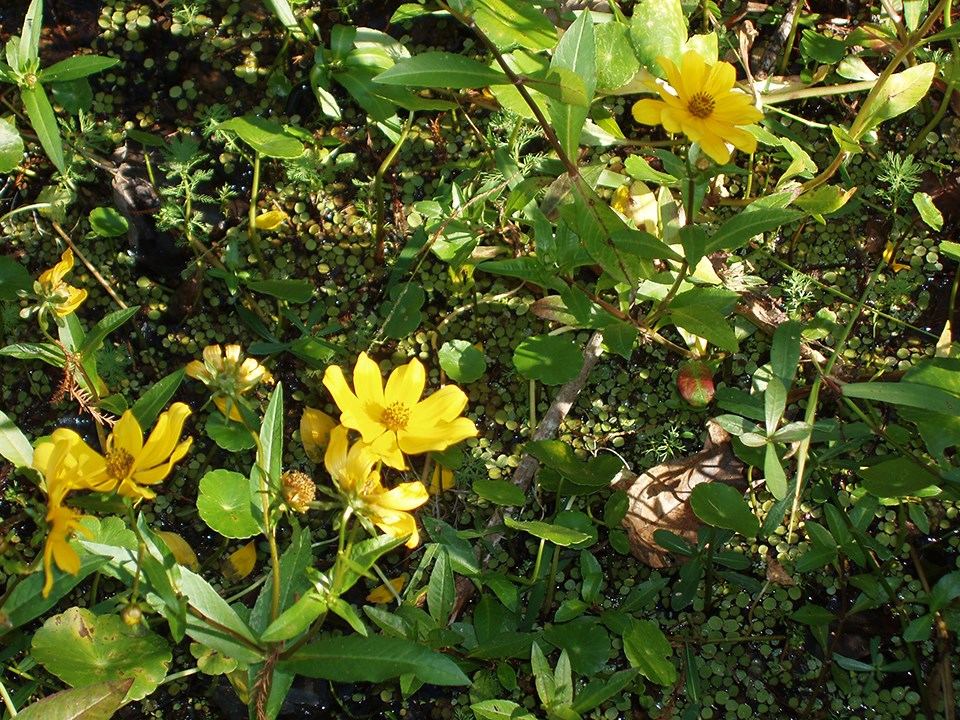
(93, 702)
(265, 136)
(14, 446)
(723, 506)
(148, 407)
(353, 658)
(738, 230)
(898, 94)
(29, 49)
(44, 123)
(514, 24)
(442, 69)
(78, 66)
(92, 342)
(556, 534)
(577, 53)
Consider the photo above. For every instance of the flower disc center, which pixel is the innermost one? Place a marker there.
(395, 417)
(701, 105)
(119, 463)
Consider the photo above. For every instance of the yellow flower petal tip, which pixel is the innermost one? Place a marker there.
(270, 220)
(55, 295)
(386, 593)
(701, 103)
(393, 420)
(315, 427)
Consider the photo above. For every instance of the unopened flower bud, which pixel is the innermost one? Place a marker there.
(131, 615)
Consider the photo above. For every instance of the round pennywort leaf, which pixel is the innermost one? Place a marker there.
(462, 361)
(551, 359)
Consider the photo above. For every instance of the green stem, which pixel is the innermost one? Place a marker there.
(380, 230)
(536, 566)
(7, 700)
(252, 233)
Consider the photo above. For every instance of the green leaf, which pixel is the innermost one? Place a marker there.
(773, 473)
(576, 52)
(648, 650)
(441, 69)
(403, 315)
(93, 702)
(822, 49)
(295, 291)
(556, 534)
(81, 649)
(353, 658)
(231, 436)
(514, 24)
(110, 322)
(107, 222)
(463, 362)
(911, 394)
(658, 27)
(500, 492)
(440, 590)
(945, 591)
(813, 615)
(14, 277)
(239, 642)
(295, 619)
(706, 323)
(78, 66)
(11, 146)
(722, 506)
(148, 407)
(592, 575)
(738, 230)
(271, 438)
(26, 602)
(14, 446)
(44, 124)
(29, 50)
(500, 710)
(928, 211)
(284, 13)
(616, 62)
(896, 478)
(266, 137)
(228, 505)
(901, 91)
(293, 579)
(585, 641)
(785, 351)
(598, 691)
(50, 354)
(551, 359)
(774, 403)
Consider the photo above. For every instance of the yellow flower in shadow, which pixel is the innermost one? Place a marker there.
(354, 472)
(62, 521)
(55, 294)
(387, 593)
(132, 464)
(228, 375)
(442, 479)
(315, 427)
(393, 420)
(702, 104)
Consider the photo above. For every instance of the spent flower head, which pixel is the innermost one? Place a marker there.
(354, 472)
(701, 103)
(394, 420)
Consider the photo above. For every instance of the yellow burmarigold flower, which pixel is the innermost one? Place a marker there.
(62, 521)
(354, 472)
(394, 421)
(67, 463)
(228, 375)
(702, 104)
(315, 427)
(56, 295)
(132, 464)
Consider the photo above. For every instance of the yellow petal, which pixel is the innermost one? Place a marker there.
(647, 111)
(673, 74)
(692, 72)
(405, 385)
(127, 435)
(335, 459)
(74, 299)
(405, 496)
(383, 594)
(388, 450)
(719, 81)
(270, 220)
(240, 563)
(441, 480)
(315, 427)
(716, 148)
(353, 413)
(368, 384)
(196, 370)
(436, 437)
(213, 356)
(445, 404)
(164, 438)
(180, 548)
(673, 119)
(400, 525)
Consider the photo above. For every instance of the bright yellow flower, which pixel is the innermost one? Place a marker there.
(55, 294)
(354, 471)
(67, 463)
(131, 464)
(62, 521)
(394, 421)
(702, 104)
(315, 427)
(227, 375)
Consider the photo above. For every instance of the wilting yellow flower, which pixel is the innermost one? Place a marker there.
(394, 421)
(702, 104)
(227, 375)
(132, 464)
(441, 480)
(62, 521)
(384, 594)
(315, 427)
(354, 471)
(56, 295)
